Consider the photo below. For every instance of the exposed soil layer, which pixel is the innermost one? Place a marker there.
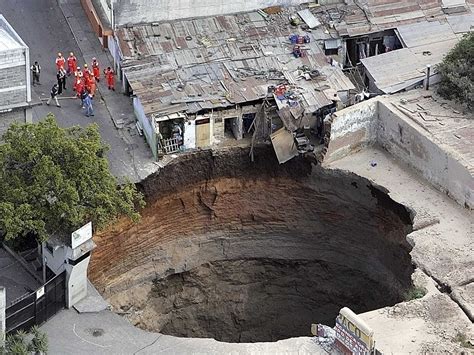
(245, 252)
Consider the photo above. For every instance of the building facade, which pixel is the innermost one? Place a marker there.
(15, 90)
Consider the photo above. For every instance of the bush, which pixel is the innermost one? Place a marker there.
(457, 73)
(414, 293)
(18, 344)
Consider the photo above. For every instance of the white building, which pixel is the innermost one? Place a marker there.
(15, 91)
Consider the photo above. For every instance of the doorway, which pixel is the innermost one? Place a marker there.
(229, 127)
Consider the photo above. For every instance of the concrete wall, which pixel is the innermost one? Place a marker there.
(3, 319)
(148, 129)
(424, 154)
(218, 128)
(76, 282)
(373, 122)
(56, 260)
(352, 128)
(141, 11)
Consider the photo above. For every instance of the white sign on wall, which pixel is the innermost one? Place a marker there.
(81, 235)
(40, 292)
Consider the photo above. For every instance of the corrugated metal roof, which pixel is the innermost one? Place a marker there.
(397, 70)
(461, 23)
(309, 18)
(221, 61)
(423, 33)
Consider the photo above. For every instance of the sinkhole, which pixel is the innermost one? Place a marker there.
(250, 252)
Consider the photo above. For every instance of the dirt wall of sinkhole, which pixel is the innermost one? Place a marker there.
(245, 252)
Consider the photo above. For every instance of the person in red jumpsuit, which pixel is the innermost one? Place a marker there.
(60, 61)
(86, 72)
(109, 75)
(95, 69)
(71, 64)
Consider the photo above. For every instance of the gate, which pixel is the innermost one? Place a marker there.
(37, 307)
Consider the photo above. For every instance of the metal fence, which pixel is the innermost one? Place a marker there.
(37, 307)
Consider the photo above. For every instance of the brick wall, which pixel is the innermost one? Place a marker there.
(12, 57)
(12, 74)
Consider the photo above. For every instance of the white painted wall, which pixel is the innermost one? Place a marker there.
(141, 11)
(190, 134)
(76, 282)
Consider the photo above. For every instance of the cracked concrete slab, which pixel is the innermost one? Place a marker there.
(444, 250)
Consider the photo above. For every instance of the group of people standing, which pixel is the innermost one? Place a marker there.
(85, 80)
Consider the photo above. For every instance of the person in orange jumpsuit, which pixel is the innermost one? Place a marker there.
(77, 75)
(71, 64)
(92, 85)
(86, 72)
(87, 83)
(79, 85)
(109, 75)
(95, 69)
(60, 61)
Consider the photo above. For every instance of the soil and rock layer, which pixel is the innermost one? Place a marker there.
(246, 252)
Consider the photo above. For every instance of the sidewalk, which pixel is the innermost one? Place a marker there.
(119, 106)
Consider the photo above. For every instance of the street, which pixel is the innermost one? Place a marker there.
(42, 26)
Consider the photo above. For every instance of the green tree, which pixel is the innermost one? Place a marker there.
(457, 72)
(53, 180)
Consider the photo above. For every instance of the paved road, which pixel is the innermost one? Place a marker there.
(42, 25)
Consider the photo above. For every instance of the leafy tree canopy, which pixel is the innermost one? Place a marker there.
(53, 180)
(457, 72)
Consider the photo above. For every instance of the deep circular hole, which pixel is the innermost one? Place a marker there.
(258, 259)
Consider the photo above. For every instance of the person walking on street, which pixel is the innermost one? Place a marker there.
(60, 61)
(61, 77)
(71, 64)
(95, 69)
(82, 96)
(36, 70)
(88, 105)
(54, 95)
(109, 75)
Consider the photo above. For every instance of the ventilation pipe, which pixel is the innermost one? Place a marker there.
(427, 80)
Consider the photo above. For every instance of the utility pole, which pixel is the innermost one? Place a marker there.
(43, 261)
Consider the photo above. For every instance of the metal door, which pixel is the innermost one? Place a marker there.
(203, 133)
